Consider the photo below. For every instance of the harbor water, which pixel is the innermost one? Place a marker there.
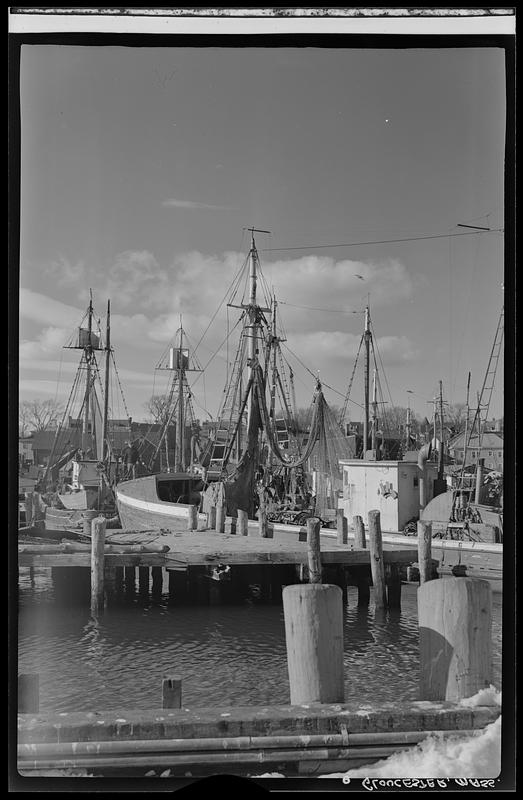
(225, 654)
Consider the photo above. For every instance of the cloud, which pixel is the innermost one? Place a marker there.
(65, 273)
(44, 310)
(173, 203)
(320, 349)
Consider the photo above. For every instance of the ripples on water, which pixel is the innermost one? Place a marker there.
(225, 655)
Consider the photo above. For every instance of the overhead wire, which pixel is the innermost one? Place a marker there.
(383, 241)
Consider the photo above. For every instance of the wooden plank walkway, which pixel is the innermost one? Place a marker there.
(207, 548)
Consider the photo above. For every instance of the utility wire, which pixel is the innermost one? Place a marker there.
(386, 241)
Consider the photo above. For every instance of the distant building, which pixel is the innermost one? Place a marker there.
(25, 451)
(491, 450)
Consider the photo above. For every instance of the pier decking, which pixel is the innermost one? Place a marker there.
(208, 548)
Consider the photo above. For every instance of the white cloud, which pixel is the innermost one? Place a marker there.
(65, 273)
(173, 203)
(40, 308)
(320, 349)
(49, 341)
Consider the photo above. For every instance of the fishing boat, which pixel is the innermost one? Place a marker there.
(466, 519)
(161, 498)
(82, 466)
(255, 462)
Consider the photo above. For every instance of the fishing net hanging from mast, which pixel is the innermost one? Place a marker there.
(325, 447)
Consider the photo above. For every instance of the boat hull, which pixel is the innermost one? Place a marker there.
(140, 508)
(83, 500)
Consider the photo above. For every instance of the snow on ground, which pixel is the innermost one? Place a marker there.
(476, 756)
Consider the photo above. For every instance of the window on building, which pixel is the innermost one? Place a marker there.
(490, 453)
(500, 453)
(473, 454)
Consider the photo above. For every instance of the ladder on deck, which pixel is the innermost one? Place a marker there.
(229, 415)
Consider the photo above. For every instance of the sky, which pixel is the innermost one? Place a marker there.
(141, 167)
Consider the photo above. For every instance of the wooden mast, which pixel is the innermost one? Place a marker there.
(367, 337)
(88, 350)
(105, 445)
(179, 465)
(252, 315)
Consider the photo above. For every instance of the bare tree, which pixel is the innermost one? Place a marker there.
(39, 415)
(158, 408)
(455, 416)
(23, 419)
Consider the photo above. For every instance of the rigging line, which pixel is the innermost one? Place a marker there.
(217, 310)
(217, 351)
(316, 377)
(384, 241)
(314, 308)
(376, 348)
(119, 384)
(58, 380)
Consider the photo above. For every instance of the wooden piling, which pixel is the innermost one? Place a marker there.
(342, 526)
(130, 578)
(157, 580)
(376, 559)
(118, 579)
(178, 585)
(171, 691)
(314, 639)
(263, 528)
(143, 580)
(394, 586)
(359, 533)
(455, 627)
(97, 565)
(87, 521)
(424, 551)
(192, 520)
(220, 518)
(363, 584)
(243, 523)
(211, 518)
(313, 549)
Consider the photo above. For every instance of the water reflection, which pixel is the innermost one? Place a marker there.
(226, 655)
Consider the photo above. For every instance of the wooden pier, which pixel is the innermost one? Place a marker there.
(189, 557)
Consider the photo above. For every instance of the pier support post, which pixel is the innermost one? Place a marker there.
(363, 584)
(157, 576)
(97, 565)
(130, 579)
(211, 518)
(342, 526)
(243, 523)
(359, 533)
(394, 586)
(178, 585)
(376, 559)
(192, 521)
(425, 551)
(28, 693)
(143, 580)
(171, 691)
(262, 523)
(455, 627)
(87, 521)
(220, 518)
(314, 638)
(118, 579)
(313, 549)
